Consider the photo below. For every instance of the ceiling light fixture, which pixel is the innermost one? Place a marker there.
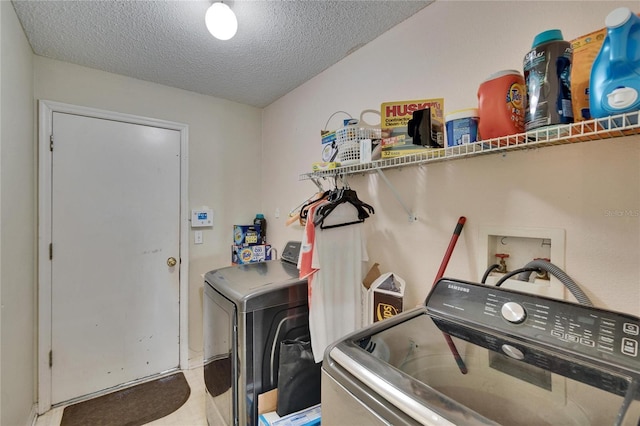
(221, 21)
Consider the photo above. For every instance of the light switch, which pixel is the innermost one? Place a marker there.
(197, 237)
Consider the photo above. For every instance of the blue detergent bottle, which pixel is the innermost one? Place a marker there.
(614, 87)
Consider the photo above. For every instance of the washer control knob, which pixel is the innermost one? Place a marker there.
(513, 312)
(512, 352)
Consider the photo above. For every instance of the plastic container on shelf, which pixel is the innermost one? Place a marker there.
(547, 72)
(501, 105)
(349, 137)
(262, 223)
(462, 126)
(614, 86)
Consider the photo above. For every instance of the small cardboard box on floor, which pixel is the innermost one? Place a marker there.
(267, 415)
(308, 417)
(383, 295)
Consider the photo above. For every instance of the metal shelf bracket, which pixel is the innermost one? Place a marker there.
(317, 182)
(412, 217)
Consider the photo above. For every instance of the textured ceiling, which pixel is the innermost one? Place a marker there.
(279, 44)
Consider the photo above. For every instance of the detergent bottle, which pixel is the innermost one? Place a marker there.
(262, 223)
(547, 70)
(614, 86)
(501, 104)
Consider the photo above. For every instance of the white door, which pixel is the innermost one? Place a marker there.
(115, 230)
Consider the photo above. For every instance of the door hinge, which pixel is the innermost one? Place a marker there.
(51, 142)
(50, 251)
(50, 359)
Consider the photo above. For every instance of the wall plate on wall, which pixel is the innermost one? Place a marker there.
(523, 245)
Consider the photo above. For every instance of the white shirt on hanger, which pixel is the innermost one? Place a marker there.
(335, 296)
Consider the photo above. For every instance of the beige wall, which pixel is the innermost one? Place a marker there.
(224, 138)
(17, 214)
(447, 50)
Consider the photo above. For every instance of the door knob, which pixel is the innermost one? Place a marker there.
(172, 261)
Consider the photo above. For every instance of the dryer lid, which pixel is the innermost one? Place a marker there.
(255, 285)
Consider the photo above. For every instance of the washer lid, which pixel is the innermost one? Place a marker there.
(364, 362)
(405, 365)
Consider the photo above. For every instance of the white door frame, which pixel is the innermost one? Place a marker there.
(45, 124)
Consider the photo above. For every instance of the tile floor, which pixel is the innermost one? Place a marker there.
(192, 413)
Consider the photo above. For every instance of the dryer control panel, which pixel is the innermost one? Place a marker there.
(564, 337)
(291, 252)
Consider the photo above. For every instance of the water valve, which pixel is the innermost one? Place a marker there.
(503, 265)
(542, 274)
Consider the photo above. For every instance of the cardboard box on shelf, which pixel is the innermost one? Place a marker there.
(241, 255)
(324, 166)
(585, 50)
(389, 142)
(327, 136)
(246, 235)
(402, 150)
(396, 117)
(329, 145)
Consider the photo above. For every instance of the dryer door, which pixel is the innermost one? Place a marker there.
(287, 324)
(220, 370)
(259, 352)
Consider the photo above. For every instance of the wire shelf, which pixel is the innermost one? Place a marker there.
(598, 129)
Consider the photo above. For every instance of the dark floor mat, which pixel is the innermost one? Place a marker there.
(133, 406)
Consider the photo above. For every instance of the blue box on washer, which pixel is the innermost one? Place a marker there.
(241, 255)
(246, 235)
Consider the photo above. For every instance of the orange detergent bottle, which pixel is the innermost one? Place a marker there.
(501, 105)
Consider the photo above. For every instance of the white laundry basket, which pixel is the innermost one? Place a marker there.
(348, 138)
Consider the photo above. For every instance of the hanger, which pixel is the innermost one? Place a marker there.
(340, 196)
(304, 210)
(299, 213)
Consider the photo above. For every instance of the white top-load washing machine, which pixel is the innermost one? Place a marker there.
(530, 361)
(248, 310)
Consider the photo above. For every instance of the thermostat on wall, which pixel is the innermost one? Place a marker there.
(201, 218)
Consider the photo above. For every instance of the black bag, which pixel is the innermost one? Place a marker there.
(298, 377)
